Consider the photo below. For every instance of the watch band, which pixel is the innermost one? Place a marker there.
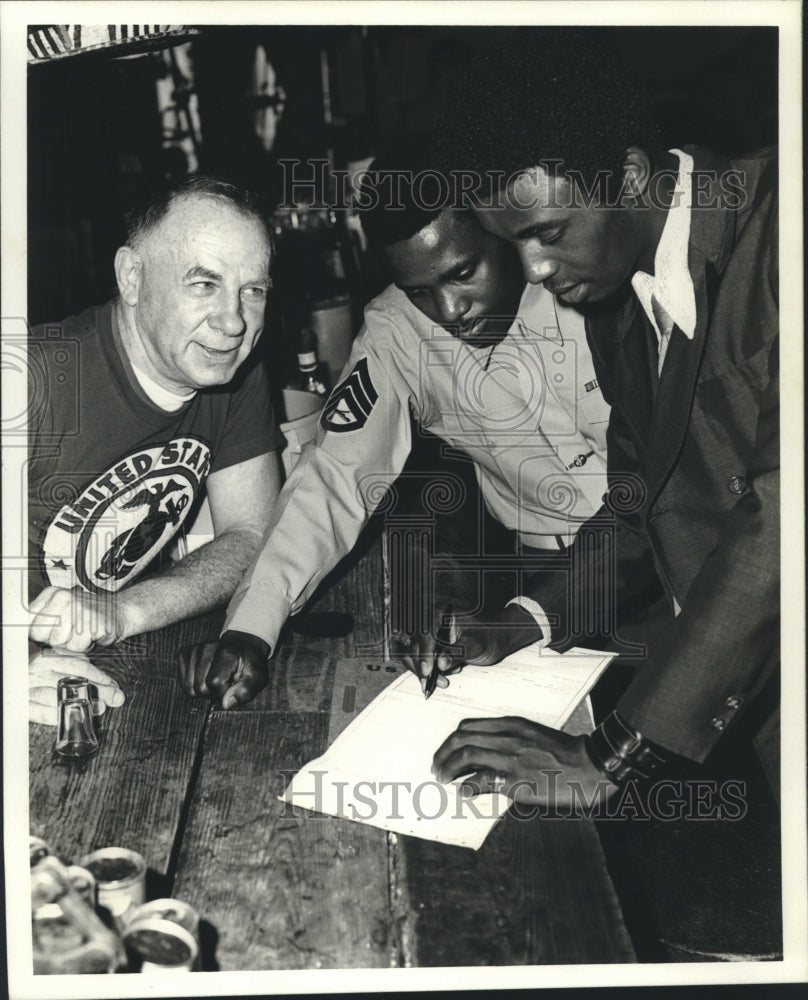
(621, 753)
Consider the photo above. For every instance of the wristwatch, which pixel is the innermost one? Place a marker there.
(621, 753)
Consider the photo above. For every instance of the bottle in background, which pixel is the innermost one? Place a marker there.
(312, 375)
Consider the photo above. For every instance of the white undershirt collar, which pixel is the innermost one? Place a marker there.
(160, 396)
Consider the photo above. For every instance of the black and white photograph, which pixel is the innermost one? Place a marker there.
(392, 517)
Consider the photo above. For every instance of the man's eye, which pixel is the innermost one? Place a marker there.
(545, 237)
(203, 286)
(466, 275)
(255, 293)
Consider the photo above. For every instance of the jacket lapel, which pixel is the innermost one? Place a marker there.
(712, 235)
(677, 387)
(619, 343)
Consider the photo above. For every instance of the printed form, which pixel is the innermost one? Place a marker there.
(378, 771)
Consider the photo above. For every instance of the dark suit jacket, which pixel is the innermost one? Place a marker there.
(693, 474)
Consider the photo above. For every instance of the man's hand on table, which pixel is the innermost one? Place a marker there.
(75, 620)
(45, 668)
(234, 669)
(525, 760)
(456, 641)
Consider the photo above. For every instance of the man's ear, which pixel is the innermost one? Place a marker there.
(637, 172)
(128, 272)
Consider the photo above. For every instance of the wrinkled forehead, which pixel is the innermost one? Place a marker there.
(202, 220)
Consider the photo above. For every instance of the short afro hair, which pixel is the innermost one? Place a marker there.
(560, 98)
(401, 192)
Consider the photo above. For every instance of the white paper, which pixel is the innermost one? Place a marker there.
(378, 771)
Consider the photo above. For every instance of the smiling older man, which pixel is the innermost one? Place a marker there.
(160, 407)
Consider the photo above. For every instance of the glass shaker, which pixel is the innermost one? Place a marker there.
(75, 733)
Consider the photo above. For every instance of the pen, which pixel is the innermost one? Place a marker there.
(451, 637)
(431, 681)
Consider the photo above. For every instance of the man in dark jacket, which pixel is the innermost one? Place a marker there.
(672, 257)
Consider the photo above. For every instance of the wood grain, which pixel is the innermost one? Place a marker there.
(131, 793)
(195, 790)
(277, 887)
(280, 887)
(303, 666)
(536, 893)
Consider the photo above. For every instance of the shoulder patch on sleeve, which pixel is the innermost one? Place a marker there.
(351, 403)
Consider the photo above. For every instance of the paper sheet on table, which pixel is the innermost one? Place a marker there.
(378, 771)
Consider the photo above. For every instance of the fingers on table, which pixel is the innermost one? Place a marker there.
(470, 750)
(481, 782)
(46, 671)
(252, 680)
(222, 670)
(508, 725)
(44, 715)
(42, 708)
(194, 664)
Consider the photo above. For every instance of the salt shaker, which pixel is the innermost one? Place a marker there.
(75, 733)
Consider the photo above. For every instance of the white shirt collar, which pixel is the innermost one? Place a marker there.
(164, 398)
(671, 283)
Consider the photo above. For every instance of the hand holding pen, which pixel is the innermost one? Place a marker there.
(441, 657)
(427, 654)
(432, 656)
(463, 640)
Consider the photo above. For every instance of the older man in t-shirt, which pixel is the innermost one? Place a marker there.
(162, 403)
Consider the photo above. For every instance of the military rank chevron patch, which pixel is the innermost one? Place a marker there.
(351, 403)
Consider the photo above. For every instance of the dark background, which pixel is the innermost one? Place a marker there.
(94, 133)
(94, 137)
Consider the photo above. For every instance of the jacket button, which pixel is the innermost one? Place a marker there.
(733, 703)
(718, 724)
(736, 484)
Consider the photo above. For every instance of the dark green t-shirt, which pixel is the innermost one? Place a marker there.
(112, 477)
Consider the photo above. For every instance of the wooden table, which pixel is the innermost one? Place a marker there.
(195, 790)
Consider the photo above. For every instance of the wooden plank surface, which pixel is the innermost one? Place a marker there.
(536, 893)
(196, 790)
(132, 792)
(277, 887)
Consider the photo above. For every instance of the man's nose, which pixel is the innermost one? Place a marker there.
(536, 264)
(229, 318)
(451, 305)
